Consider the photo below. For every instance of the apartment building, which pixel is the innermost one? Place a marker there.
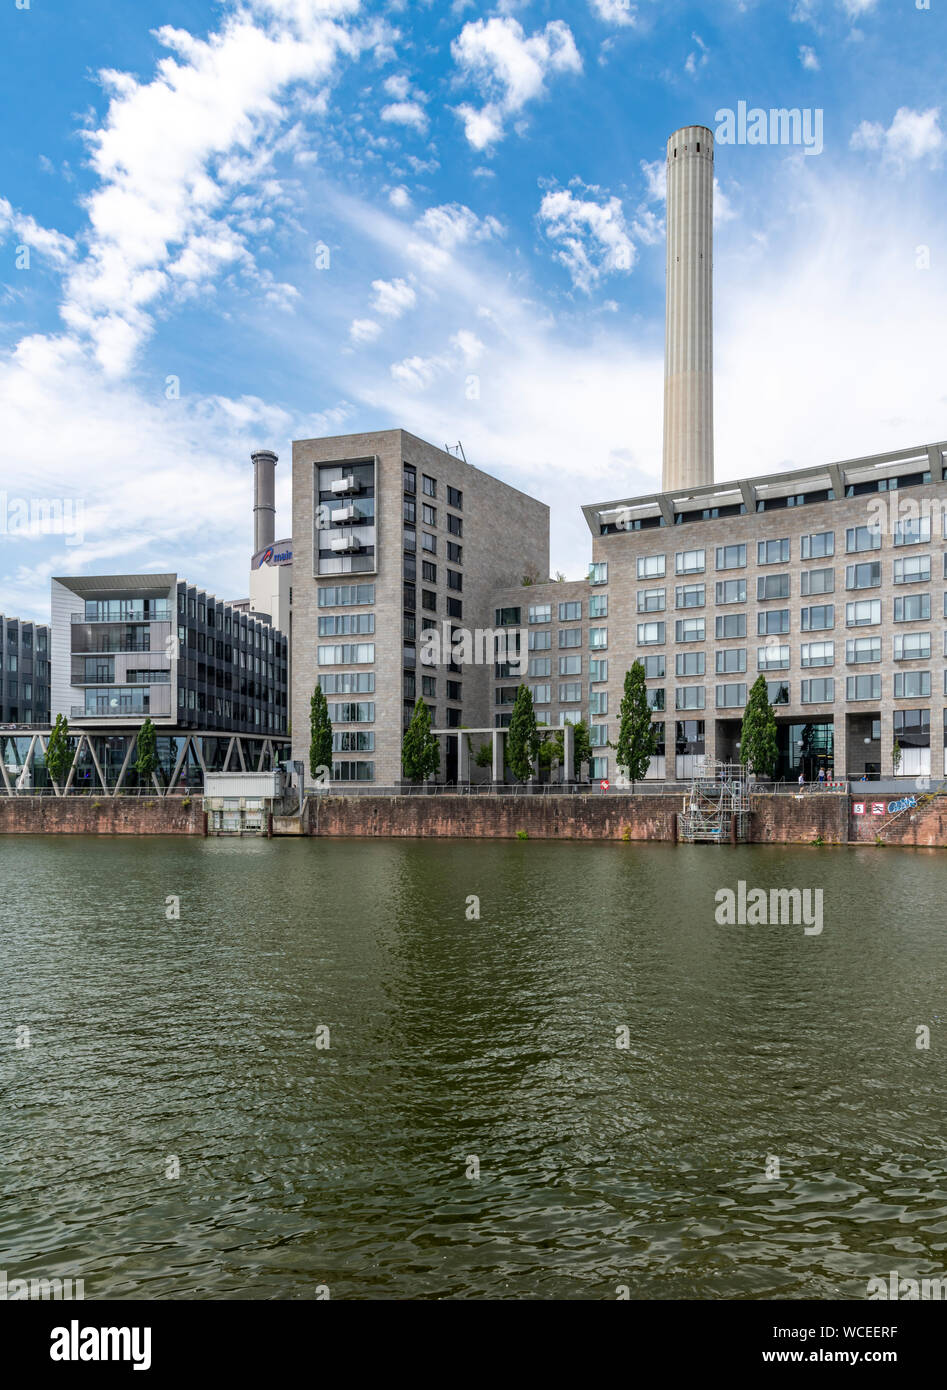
(561, 655)
(24, 672)
(829, 581)
(399, 548)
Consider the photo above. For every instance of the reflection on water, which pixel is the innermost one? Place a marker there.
(194, 1044)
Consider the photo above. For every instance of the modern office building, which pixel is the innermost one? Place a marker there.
(24, 672)
(405, 546)
(830, 581)
(213, 680)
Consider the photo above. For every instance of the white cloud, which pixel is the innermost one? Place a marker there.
(399, 198)
(364, 330)
(469, 345)
(698, 58)
(417, 373)
(809, 58)
(911, 136)
(655, 172)
(53, 245)
(592, 237)
(452, 224)
(397, 87)
(509, 69)
(620, 12)
(856, 8)
(393, 298)
(409, 113)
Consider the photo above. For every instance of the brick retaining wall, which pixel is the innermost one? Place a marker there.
(88, 815)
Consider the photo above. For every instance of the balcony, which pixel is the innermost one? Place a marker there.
(160, 612)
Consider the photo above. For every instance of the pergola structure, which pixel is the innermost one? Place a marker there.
(498, 737)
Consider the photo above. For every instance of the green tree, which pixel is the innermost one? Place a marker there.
(320, 733)
(758, 747)
(551, 751)
(146, 748)
(581, 748)
(59, 752)
(420, 750)
(523, 738)
(484, 755)
(637, 735)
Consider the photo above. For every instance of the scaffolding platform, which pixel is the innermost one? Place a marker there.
(717, 807)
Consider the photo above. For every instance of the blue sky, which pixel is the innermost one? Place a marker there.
(251, 222)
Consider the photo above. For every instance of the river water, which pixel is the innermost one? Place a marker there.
(328, 1074)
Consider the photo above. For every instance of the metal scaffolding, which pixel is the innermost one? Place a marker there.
(717, 807)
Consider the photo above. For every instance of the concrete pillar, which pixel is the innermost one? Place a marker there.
(840, 744)
(568, 751)
(499, 747)
(937, 743)
(463, 759)
(887, 739)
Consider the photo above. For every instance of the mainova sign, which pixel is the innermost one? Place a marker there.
(272, 555)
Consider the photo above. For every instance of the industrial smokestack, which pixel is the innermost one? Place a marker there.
(688, 341)
(264, 498)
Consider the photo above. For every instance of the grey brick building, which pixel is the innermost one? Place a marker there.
(394, 539)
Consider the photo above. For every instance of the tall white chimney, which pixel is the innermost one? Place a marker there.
(264, 498)
(688, 341)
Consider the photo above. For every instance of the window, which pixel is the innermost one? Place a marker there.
(428, 486)
(773, 657)
(912, 608)
(773, 623)
(507, 617)
(689, 596)
(731, 591)
(598, 572)
(859, 650)
(689, 697)
(772, 552)
(770, 586)
(540, 666)
(455, 580)
(817, 582)
(570, 665)
(731, 557)
(819, 545)
(732, 625)
(455, 498)
(570, 612)
(598, 606)
(355, 712)
(429, 600)
(428, 514)
(353, 772)
(345, 595)
(570, 693)
(346, 624)
(570, 637)
(455, 553)
(598, 735)
(650, 600)
(347, 682)
(863, 613)
(911, 684)
(912, 646)
(863, 687)
(410, 480)
(428, 543)
(730, 660)
(818, 692)
(730, 695)
(864, 576)
(777, 692)
(598, 669)
(598, 702)
(540, 641)
(598, 638)
(428, 572)
(656, 698)
(689, 562)
(818, 618)
(688, 664)
(653, 666)
(542, 694)
(539, 613)
(912, 569)
(598, 769)
(455, 608)
(650, 566)
(862, 538)
(455, 525)
(913, 532)
(347, 653)
(689, 630)
(650, 634)
(818, 654)
(429, 687)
